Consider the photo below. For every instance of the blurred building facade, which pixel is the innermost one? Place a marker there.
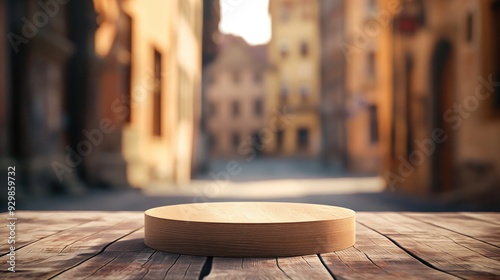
(420, 86)
(210, 50)
(38, 113)
(355, 80)
(293, 81)
(98, 92)
(235, 96)
(362, 85)
(445, 127)
(333, 88)
(165, 87)
(211, 19)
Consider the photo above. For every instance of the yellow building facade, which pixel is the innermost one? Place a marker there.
(293, 86)
(368, 78)
(356, 82)
(159, 44)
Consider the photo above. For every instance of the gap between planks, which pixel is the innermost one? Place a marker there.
(205, 269)
(94, 255)
(442, 248)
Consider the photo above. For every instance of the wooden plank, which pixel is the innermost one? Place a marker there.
(105, 245)
(473, 240)
(223, 268)
(31, 226)
(478, 229)
(122, 260)
(298, 267)
(488, 217)
(434, 246)
(376, 257)
(158, 265)
(245, 268)
(129, 258)
(56, 253)
(269, 268)
(186, 267)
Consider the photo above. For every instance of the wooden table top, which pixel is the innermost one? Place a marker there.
(389, 245)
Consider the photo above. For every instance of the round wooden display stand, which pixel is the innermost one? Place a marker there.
(249, 229)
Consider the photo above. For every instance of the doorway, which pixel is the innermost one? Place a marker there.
(442, 80)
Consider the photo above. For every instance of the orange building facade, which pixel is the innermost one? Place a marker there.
(158, 48)
(445, 126)
(100, 93)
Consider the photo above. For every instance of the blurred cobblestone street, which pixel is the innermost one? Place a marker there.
(261, 180)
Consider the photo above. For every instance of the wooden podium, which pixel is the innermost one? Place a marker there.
(249, 229)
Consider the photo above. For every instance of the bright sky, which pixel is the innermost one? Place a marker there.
(246, 18)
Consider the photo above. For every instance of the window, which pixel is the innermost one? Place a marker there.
(302, 138)
(372, 111)
(235, 108)
(256, 141)
(469, 28)
(258, 107)
(236, 140)
(280, 137)
(371, 64)
(304, 49)
(128, 67)
(157, 94)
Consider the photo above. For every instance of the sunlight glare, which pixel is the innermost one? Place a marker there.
(246, 18)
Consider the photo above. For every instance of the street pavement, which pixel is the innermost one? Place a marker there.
(281, 180)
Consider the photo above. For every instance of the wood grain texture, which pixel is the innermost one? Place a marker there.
(297, 267)
(493, 218)
(486, 231)
(110, 245)
(376, 257)
(439, 248)
(245, 268)
(56, 253)
(269, 268)
(30, 223)
(248, 229)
